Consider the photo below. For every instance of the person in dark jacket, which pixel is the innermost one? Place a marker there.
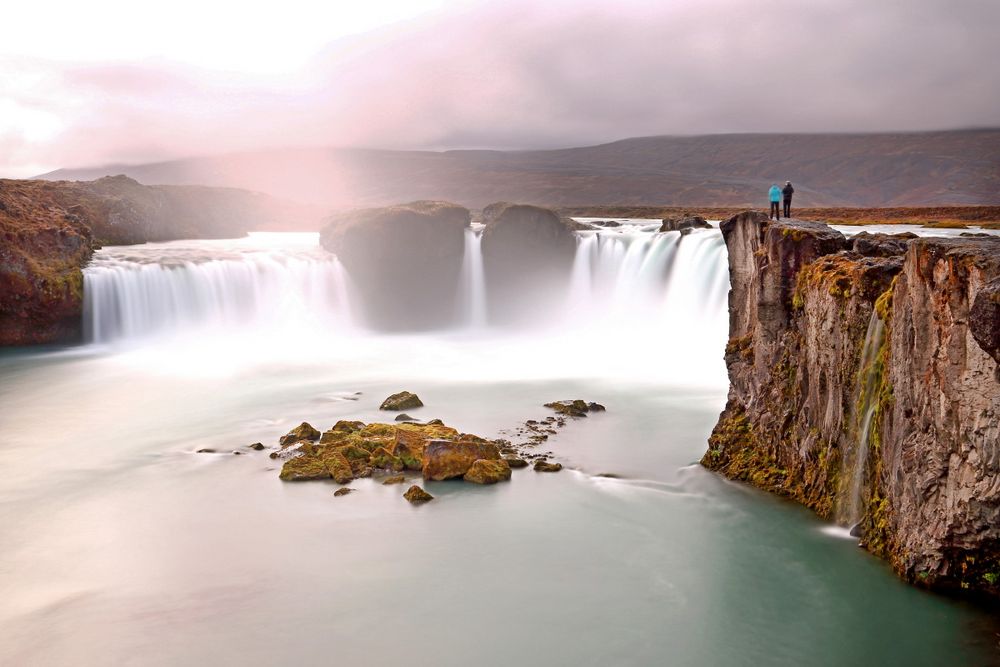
(786, 195)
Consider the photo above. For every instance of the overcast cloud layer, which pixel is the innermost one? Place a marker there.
(517, 75)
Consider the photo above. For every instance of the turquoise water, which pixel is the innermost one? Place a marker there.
(120, 545)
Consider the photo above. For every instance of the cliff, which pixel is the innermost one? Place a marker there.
(865, 385)
(49, 231)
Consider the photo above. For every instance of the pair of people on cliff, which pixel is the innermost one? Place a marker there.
(779, 195)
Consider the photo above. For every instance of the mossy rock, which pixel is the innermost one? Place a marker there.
(488, 471)
(417, 496)
(302, 432)
(304, 468)
(381, 458)
(404, 400)
(339, 467)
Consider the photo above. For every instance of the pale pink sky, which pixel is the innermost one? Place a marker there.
(113, 81)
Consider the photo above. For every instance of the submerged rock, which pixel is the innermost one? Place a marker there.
(488, 471)
(302, 432)
(395, 479)
(445, 459)
(206, 450)
(342, 491)
(257, 446)
(547, 466)
(404, 418)
(417, 496)
(404, 400)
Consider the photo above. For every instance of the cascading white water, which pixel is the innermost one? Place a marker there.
(628, 282)
(868, 379)
(136, 292)
(472, 301)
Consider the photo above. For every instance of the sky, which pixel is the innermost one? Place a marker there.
(110, 81)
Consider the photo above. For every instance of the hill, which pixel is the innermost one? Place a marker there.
(960, 167)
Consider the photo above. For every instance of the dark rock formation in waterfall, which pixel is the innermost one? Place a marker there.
(528, 256)
(801, 304)
(405, 261)
(50, 228)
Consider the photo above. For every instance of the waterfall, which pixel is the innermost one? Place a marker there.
(472, 301)
(869, 377)
(630, 283)
(132, 293)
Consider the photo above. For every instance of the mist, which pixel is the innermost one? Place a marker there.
(511, 75)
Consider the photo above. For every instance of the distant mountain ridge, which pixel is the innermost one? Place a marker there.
(876, 169)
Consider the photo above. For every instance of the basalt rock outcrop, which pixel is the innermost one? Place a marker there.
(49, 229)
(528, 254)
(404, 260)
(684, 223)
(904, 425)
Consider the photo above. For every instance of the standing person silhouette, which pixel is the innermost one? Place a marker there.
(774, 194)
(786, 194)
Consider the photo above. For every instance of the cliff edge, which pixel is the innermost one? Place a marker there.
(49, 229)
(864, 384)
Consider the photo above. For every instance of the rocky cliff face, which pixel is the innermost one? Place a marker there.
(864, 384)
(49, 229)
(528, 254)
(405, 260)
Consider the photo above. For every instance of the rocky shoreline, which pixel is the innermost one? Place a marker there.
(864, 373)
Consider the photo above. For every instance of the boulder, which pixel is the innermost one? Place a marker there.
(405, 261)
(347, 426)
(488, 471)
(404, 418)
(303, 468)
(303, 431)
(684, 223)
(516, 462)
(381, 458)
(257, 446)
(417, 496)
(338, 467)
(404, 400)
(445, 459)
(547, 466)
(528, 255)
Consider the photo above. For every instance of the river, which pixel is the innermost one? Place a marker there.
(120, 544)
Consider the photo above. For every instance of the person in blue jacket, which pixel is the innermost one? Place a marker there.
(774, 194)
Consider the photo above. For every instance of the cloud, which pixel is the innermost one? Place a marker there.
(532, 74)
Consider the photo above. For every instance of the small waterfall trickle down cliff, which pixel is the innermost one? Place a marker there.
(869, 375)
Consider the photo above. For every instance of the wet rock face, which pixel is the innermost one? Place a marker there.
(984, 320)
(528, 254)
(801, 303)
(941, 441)
(405, 261)
(445, 459)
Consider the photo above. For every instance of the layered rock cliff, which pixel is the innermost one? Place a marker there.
(49, 230)
(865, 385)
